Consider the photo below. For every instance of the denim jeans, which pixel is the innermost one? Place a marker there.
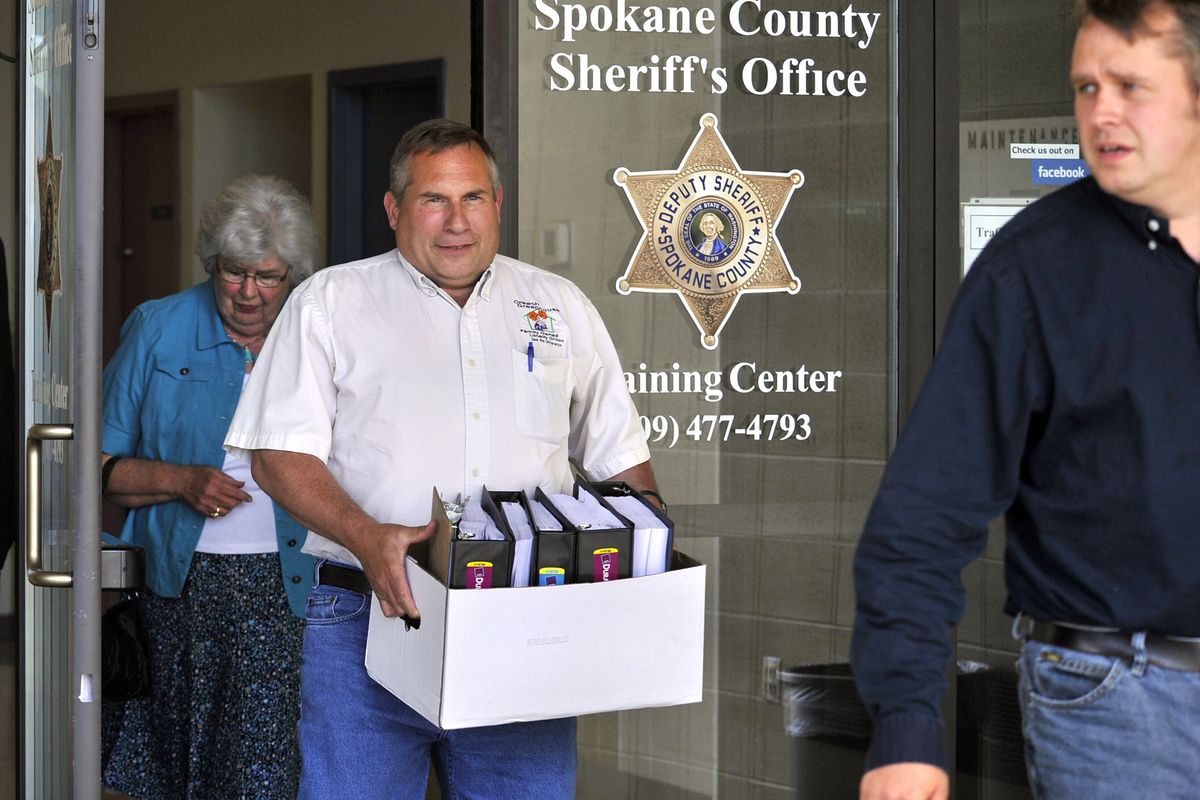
(1099, 727)
(357, 740)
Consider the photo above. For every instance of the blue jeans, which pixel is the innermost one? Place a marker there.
(1098, 727)
(358, 740)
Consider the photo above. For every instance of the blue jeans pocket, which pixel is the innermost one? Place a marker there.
(327, 605)
(1065, 678)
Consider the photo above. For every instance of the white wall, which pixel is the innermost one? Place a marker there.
(261, 127)
(156, 46)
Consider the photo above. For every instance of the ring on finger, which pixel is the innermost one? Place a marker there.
(216, 512)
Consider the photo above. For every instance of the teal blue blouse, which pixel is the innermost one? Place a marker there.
(170, 391)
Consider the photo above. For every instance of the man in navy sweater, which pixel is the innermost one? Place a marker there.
(1065, 396)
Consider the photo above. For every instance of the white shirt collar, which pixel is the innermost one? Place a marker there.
(427, 287)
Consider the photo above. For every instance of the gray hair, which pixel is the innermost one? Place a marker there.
(255, 217)
(434, 136)
(1128, 17)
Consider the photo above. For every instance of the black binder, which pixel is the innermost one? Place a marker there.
(602, 554)
(552, 558)
(481, 563)
(605, 489)
(554, 551)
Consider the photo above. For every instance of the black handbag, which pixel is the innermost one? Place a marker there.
(124, 671)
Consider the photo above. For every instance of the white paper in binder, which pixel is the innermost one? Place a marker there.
(651, 539)
(585, 512)
(518, 523)
(542, 518)
(476, 524)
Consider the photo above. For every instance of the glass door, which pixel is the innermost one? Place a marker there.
(58, 302)
(720, 180)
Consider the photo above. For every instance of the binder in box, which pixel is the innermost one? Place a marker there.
(470, 563)
(552, 552)
(554, 557)
(651, 546)
(602, 554)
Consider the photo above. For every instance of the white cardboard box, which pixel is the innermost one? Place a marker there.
(486, 657)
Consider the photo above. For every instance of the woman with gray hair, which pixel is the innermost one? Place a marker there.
(226, 582)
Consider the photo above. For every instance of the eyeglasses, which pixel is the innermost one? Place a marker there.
(263, 280)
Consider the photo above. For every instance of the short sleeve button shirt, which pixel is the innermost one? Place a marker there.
(399, 389)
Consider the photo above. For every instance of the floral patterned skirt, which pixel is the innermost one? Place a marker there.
(220, 719)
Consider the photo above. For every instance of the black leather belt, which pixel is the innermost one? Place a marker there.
(344, 578)
(1169, 652)
(355, 581)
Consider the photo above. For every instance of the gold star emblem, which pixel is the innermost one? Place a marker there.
(49, 177)
(708, 231)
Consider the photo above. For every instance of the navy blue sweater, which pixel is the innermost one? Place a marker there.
(1065, 396)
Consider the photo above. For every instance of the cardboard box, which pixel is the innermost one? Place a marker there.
(492, 656)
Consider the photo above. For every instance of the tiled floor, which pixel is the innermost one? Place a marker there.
(8, 724)
(8, 729)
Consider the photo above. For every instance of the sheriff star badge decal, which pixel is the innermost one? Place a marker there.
(708, 231)
(49, 179)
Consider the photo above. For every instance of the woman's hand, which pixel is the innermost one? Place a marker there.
(136, 482)
(209, 490)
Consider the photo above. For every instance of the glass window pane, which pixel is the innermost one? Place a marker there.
(1017, 142)
(768, 437)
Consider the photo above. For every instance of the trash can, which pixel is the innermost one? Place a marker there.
(830, 730)
(989, 746)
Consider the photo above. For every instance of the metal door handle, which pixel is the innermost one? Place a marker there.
(33, 505)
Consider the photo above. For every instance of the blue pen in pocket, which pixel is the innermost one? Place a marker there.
(529, 352)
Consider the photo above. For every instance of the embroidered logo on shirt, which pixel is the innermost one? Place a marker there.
(542, 324)
(539, 319)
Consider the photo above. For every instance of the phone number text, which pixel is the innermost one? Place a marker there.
(668, 429)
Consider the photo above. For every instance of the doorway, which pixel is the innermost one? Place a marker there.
(369, 110)
(141, 201)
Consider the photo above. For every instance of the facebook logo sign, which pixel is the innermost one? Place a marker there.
(1058, 170)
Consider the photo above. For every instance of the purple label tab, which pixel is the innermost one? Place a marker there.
(604, 564)
(479, 575)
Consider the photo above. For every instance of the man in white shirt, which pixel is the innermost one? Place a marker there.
(437, 364)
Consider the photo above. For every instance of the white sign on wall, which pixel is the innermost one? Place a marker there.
(981, 218)
(994, 154)
(1032, 150)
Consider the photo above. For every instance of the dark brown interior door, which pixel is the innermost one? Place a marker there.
(141, 180)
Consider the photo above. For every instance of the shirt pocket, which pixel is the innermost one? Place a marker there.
(542, 396)
(179, 398)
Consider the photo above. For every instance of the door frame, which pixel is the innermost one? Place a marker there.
(494, 111)
(345, 129)
(85, 270)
